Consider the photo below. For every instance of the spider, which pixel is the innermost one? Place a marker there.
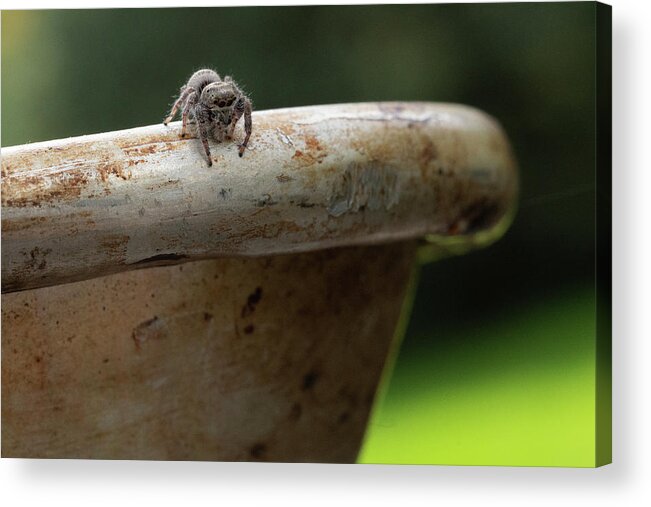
(215, 105)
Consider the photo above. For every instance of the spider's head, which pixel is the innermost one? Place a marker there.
(219, 96)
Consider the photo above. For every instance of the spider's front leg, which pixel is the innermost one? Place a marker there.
(185, 91)
(236, 115)
(189, 105)
(203, 127)
(248, 125)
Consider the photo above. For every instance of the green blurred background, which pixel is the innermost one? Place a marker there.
(498, 362)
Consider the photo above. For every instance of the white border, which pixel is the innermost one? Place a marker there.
(626, 482)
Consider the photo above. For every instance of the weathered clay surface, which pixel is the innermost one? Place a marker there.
(312, 178)
(270, 359)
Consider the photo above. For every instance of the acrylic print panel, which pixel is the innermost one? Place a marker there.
(487, 345)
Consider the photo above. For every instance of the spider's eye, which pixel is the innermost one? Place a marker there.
(221, 103)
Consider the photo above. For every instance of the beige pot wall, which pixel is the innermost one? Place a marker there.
(270, 359)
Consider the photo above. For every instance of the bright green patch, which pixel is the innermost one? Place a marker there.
(518, 390)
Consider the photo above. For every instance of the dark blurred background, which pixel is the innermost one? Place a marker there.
(497, 365)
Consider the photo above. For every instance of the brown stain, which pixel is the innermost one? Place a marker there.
(286, 128)
(20, 165)
(13, 225)
(284, 122)
(312, 143)
(36, 259)
(384, 146)
(23, 189)
(249, 329)
(112, 168)
(145, 150)
(19, 191)
(62, 173)
(251, 302)
(115, 246)
(65, 171)
(258, 451)
(38, 373)
(148, 330)
(314, 152)
(457, 155)
(309, 380)
(361, 146)
(428, 153)
(285, 226)
(150, 144)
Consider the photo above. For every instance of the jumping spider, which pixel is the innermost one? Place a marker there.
(215, 105)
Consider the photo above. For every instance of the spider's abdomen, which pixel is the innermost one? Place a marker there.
(202, 78)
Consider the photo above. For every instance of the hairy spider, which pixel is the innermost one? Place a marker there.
(215, 105)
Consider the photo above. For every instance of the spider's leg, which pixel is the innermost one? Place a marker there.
(237, 114)
(185, 91)
(203, 126)
(204, 140)
(187, 107)
(248, 125)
